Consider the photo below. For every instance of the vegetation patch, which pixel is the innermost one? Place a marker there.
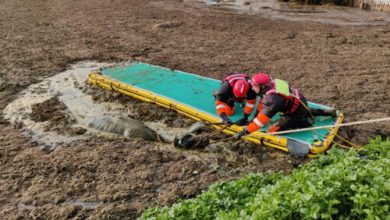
(342, 185)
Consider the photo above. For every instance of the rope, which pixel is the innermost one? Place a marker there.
(331, 126)
(112, 87)
(211, 123)
(215, 132)
(338, 144)
(202, 138)
(306, 107)
(222, 140)
(348, 142)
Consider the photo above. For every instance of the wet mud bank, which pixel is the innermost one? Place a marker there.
(61, 109)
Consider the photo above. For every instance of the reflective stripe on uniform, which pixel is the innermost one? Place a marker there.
(271, 91)
(231, 79)
(235, 78)
(220, 106)
(258, 123)
(249, 105)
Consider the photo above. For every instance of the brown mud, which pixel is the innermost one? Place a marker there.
(55, 113)
(342, 66)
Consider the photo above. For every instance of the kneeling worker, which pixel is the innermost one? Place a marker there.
(278, 96)
(235, 88)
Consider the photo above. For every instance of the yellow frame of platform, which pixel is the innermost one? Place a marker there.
(258, 137)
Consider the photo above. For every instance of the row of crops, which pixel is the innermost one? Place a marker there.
(339, 185)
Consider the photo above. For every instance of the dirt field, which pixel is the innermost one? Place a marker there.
(346, 66)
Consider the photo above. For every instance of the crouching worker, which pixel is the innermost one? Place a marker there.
(278, 96)
(234, 88)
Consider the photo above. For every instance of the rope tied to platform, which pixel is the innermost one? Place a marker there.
(331, 126)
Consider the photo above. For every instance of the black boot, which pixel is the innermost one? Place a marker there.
(324, 112)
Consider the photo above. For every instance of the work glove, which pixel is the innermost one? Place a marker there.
(242, 121)
(238, 135)
(225, 119)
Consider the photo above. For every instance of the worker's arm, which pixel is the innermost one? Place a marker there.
(221, 103)
(249, 106)
(268, 107)
(222, 98)
(250, 102)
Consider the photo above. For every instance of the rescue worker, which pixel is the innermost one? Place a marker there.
(234, 88)
(278, 96)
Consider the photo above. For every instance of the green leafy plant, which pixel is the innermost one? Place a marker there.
(339, 185)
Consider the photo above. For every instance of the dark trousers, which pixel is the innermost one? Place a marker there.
(298, 119)
(301, 118)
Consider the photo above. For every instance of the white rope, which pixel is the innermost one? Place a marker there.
(331, 126)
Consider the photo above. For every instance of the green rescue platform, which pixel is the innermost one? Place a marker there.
(191, 95)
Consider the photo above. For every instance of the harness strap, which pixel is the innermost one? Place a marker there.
(234, 77)
(290, 94)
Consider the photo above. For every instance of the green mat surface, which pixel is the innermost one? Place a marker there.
(195, 91)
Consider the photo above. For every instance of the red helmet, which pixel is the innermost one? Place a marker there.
(261, 79)
(240, 88)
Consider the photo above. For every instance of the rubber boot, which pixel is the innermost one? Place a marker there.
(324, 112)
(330, 112)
